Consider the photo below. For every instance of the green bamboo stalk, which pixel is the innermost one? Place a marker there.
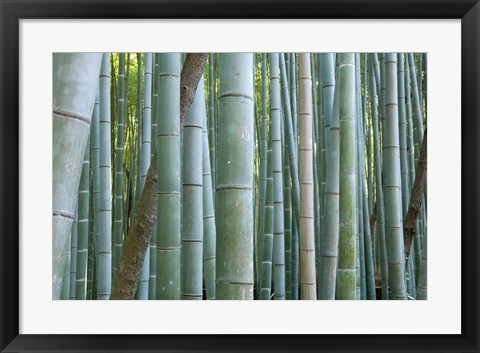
(289, 138)
(422, 277)
(307, 236)
(278, 222)
(120, 143)
(293, 102)
(73, 258)
(321, 151)
(72, 74)
(66, 272)
(192, 211)
(266, 278)
(361, 274)
(152, 278)
(288, 223)
(382, 111)
(168, 184)
(211, 116)
(329, 244)
(83, 227)
(209, 232)
(379, 180)
(95, 202)
(393, 202)
(411, 164)
(403, 135)
(369, 261)
(346, 273)
(234, 187)
(294, 259)
(104, 265)
(316, 167)
(142, 291)
(263, 169)
(416, 108)
(139, 118)
(379, 183)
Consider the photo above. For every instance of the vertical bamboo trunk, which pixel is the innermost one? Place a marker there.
(118, 201)
(402, 134)
(209, 232)
(266, 278)
(263, 171)
(329, 244)
(316, 165)
(393, 202)
(290, 138)
(73, 259)
(192, 210)
(211, 115)
(307, 236)
(361, 271)
(293, 103)
(95, 169)
(346, 273)
(104, 265)
(294, 259)
(139, 116)
(288, 225)
(66, 271)
(234, 187)
(152, 278)
(142, 291)
(422, 277)
(379, 180)
(168, 173)
(416, 108)
(75, 80)
(83, 227)
(278, 222)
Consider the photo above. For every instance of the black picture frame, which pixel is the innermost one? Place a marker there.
(12, 11)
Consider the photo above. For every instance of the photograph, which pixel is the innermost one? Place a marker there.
(239, 176)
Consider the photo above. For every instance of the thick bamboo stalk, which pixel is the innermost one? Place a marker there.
(75, 81)
(168, 185)
(234, 187)
(393, 202)
(346, 273)
(191, 255)
(329, 244)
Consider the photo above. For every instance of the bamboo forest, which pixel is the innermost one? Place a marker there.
(239, 176)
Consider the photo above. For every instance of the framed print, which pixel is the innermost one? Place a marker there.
(241, 212)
